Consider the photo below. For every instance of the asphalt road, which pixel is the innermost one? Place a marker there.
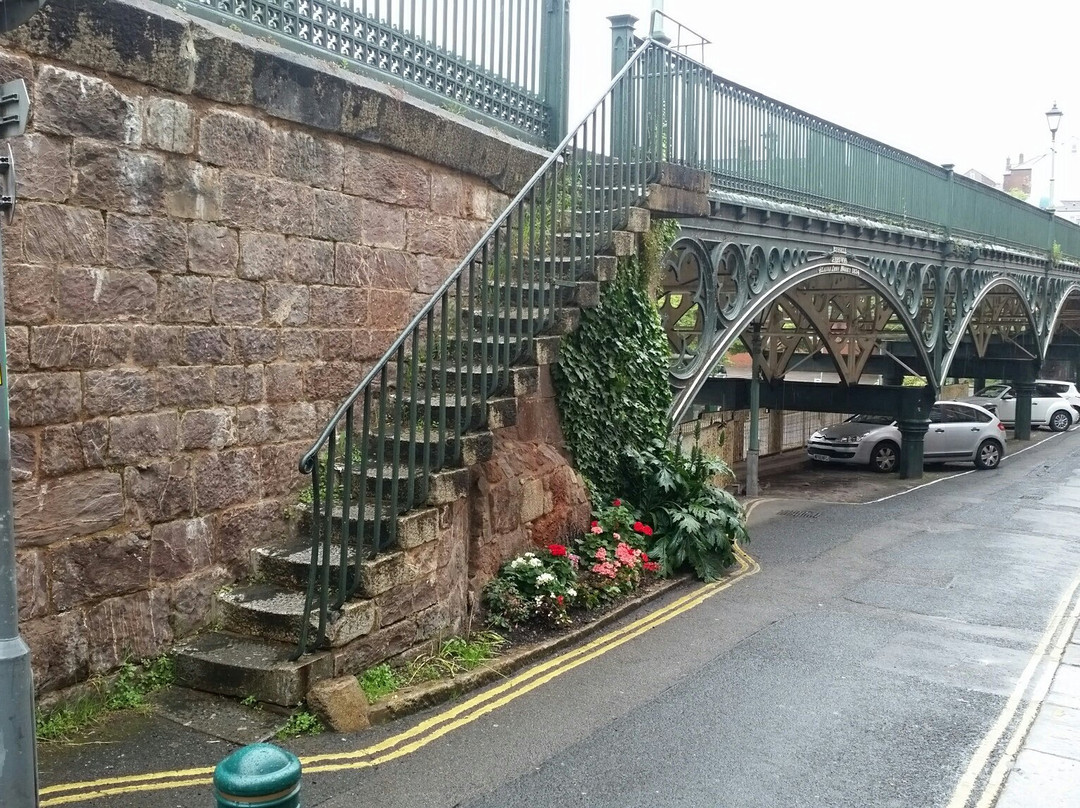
(862, 666)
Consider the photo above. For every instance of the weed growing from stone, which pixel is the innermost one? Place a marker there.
(126, 691)
(301, 723)
(378, 682)
(452, 657)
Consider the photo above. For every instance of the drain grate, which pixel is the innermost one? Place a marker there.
(800, 514)
(1030, 496)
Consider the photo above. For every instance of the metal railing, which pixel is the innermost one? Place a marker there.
(410, 415)
(503, 59)
(753, 144)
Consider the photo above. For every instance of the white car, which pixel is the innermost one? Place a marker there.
(1047, 407)
(1067, 390)
(958, 432)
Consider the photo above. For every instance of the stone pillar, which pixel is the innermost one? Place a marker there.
(1022, 423)
(776, 431)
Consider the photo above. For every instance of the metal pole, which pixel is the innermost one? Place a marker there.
(18, 750)
(755, 414)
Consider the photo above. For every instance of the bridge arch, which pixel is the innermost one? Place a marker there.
(992, 304)
(1062, 295)
(716, 291)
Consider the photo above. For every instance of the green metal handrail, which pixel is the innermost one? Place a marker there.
(409, 415)
(758, 146)
(501, 59)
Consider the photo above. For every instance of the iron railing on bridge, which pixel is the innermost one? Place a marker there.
(503, 60)
(753, 144)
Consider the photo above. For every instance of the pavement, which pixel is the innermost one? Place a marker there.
(190, 732)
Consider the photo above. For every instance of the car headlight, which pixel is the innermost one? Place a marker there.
(850, 439)
(817, 435)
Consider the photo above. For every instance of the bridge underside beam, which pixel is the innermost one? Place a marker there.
(870, 399)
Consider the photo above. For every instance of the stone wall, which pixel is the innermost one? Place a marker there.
(215, 239)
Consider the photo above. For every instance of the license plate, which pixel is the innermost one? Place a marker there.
(821, 457)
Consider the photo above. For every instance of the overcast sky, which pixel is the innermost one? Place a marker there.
(951, 81)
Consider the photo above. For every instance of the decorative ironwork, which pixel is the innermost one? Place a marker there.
(485, 56)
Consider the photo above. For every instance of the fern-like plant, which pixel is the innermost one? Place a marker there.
(696, 524)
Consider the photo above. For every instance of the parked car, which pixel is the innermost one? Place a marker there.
(958, 432)
(1047, 407)
(1067, 390)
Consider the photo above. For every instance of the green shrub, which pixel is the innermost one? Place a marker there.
(534, 586)
(695, 523)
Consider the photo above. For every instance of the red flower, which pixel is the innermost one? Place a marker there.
(638, 527)
(594, 523)
(559, 600)
(651, 566)
(644, 558)
(616, 502)
(646, 530)
(557, 549)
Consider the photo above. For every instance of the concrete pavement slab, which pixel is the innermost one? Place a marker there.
(1056, 731)
(1065, 691)
(1039, 780)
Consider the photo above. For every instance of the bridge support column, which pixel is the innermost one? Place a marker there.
(979, 384)
(1022, 425)
(755, 413)
(912, 433)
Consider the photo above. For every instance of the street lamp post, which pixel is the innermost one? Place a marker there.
(1053, 120)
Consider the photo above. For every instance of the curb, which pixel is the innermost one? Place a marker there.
(418, 697)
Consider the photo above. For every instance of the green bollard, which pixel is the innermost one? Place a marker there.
(258, 776)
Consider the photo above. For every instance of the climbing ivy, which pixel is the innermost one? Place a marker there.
(611, 380)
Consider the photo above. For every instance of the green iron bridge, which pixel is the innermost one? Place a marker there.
(817, 244)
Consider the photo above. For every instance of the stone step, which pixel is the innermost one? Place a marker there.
(471, 448)
(522, 321)
(274, 612)
(231, 665)
(478, 377)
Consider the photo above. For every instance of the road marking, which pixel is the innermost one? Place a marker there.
(966, 786)
(429, 730)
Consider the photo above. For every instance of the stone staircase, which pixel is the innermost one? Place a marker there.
(409, 585)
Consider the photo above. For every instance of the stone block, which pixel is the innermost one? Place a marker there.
(133, 438)
(432, 270)
(106, 295)
(448, 196)
(384, 573)
(338, 217)
(30, 293)
(45, 398)
(623, 243)
(304, 158)
(60, 234)
(238, 530)
(310, 261)
(263, 256)
(159, 491)
(389, 177)
(192, 190)
(229, 139)
(226, 478)
(61, 451)
(340, 703)
(666, 200)
(256, 344)
(31, 584)
(287, 304)
(112, 178)
(146, 243)
(191, 600)
(389, 309)
(295, 421)
(58, 650)
(43, 166)
(237, 384)
(433, 234)
(254, 425)
(24, 455)
(185, 299)
(281, 478)
(284, 381)
(375, 648)
(263, 203)
(209, 346)
(532, 500)
(212, 250)
(132, 627)
(156, 345)
(299, 344)
(382, 225)
(86, 570)
(334, 306)
(112, 392)
(168, 125)
(18, 347)
(180, 548)
(237, 302)
(638, 220)
(80, 346)
(208, 429)
(184, 387)
(77, 105)
(14, 66)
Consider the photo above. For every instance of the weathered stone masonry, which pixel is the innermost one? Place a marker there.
(215, 239)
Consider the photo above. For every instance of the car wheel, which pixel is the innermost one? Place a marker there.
(1060, 421)
(988, 455)
(885, 457)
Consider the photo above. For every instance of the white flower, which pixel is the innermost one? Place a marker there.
(529, 555)
(535, 562)
(539, 600)
(544, 578)
(517, 562)
(571, 593)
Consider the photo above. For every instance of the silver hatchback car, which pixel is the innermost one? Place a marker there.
(958, 432)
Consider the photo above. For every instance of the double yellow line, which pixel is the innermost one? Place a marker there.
(409, 741)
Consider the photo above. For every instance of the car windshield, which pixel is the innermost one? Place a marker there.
(993, 391)
(877, 420)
